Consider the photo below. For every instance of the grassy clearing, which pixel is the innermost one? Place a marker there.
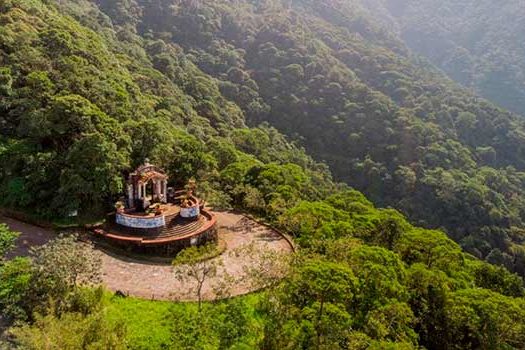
(147, 322)
(150, 323)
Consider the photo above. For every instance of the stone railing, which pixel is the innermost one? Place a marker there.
(190, 212)
(145, 222)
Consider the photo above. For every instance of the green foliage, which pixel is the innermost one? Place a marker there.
(483, 319)
(498, 279)
(85, 97)
(81, 108)
(59, 269)
(7, 241)
(404, 286)
(72, 331)
(429, 291)
(229, 324)
(195, 255)
(84, 187)
(223, 326)
(350, 91)
(314, 300)
(381, 274)
(432, 248)
(194, 265)
(15, 283)
(468, 49)
(307, 217)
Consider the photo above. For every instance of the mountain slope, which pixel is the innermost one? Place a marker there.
(85, 97)
(387, 123)
(478, 43)
(79, 108)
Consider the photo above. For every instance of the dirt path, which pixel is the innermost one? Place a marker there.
(30, 235)
(158, 281)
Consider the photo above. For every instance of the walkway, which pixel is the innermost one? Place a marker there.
(30, 235)
(245, 240)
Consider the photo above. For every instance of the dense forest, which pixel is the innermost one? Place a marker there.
(385, 121)
(79, 109)
(364, 279)
(478, 43)
(207, 90)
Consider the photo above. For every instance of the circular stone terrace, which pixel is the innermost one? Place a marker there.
(158, 235)
(244, 239)
(155, 219)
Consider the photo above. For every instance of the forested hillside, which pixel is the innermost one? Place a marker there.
(387, 123)
(79, 108)
(89, 89)
(478, 43)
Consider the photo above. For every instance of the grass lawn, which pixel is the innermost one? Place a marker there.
(149, 323)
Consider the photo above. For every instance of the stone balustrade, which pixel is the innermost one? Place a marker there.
(190, 212)
(144, 222)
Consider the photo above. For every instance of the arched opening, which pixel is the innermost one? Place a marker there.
(150, 191)
(147, 185)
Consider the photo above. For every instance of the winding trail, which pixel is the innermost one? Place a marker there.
(157, 281)
(30, 236)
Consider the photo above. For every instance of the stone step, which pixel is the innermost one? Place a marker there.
(178, 229)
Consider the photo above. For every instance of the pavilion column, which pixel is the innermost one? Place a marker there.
(130, 196)
(165, 190)
(155, 188)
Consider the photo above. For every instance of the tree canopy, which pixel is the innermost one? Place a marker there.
(208, 90)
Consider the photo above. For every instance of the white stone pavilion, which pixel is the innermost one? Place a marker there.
(146, 185)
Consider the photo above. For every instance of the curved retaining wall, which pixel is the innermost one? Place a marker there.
(164, 246)
(285, 236)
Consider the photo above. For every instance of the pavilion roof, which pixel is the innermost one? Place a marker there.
(150, 175)
(147, 172)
